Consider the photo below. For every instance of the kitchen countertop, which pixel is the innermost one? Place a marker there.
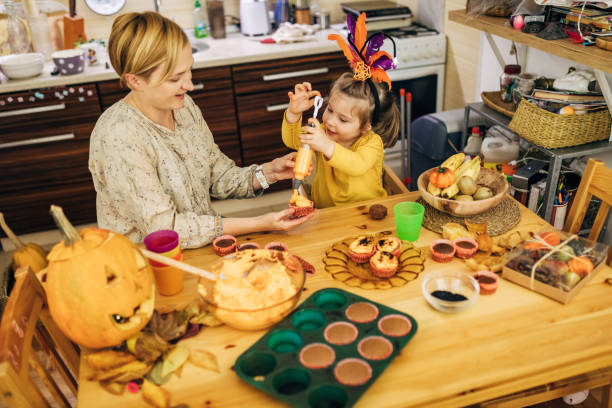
(235, 49)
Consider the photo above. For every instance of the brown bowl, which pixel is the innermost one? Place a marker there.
(487, 178)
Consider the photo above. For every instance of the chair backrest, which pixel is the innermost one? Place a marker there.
(39, 365)
(596, 181)
(392, 183)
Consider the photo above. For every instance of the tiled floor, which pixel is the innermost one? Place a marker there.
(275, 201)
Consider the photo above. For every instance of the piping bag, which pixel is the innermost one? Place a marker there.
(304, 155)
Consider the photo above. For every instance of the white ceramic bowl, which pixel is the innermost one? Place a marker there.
(69, 62)
(18, 66)
(450, 282)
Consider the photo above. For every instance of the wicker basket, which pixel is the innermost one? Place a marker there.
(552, 130)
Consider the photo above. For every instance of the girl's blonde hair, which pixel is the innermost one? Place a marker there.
(388, 124)
(141, 42)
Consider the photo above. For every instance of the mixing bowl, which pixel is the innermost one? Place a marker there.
(444, 288)
(254, 289)
(18, 66)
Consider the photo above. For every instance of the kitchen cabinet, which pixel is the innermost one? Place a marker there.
(261, 98)
(44, 149)
(212, 93)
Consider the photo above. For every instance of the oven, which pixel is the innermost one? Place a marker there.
(421, 69)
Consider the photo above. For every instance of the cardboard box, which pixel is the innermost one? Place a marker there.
(558, 262)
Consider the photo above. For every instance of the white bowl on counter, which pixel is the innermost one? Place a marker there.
(19, 66)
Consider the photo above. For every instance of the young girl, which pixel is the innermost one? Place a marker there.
(361, 118)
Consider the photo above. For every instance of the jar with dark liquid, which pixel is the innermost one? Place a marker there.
(216, 18)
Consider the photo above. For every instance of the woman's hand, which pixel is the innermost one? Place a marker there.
(283, 220)
(281, 168)
(316, 137)
(300, 100)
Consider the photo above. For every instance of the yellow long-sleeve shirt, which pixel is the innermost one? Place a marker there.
(350, 175)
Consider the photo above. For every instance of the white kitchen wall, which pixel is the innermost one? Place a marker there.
(539, 63)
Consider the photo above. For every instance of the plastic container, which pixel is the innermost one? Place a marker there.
(508, 80)
(328, 351)
(200, 30)
(474, 142)
(216, 18)
(498, 147)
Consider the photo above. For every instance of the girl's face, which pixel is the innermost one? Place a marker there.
(342, 124)
(170, 94)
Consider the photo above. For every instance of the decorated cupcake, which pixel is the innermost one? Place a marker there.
(389, 244)
(361, 249)
(384, 264)
(301, 205)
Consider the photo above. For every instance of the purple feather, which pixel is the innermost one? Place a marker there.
(374, 45)
(350, 24)
(384, 62)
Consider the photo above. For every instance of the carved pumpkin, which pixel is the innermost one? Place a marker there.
(100, 288)
(442, 177)
(580, 265)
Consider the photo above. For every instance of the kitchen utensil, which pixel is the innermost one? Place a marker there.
(105, 7)
(304, 154)
(216, 18)
(17, 66)
(74, 28)
(178, 264)
(254, 17)
(70, 61)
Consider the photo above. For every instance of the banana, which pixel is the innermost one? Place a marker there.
(433, 190)
(450, 191)
(454, 161)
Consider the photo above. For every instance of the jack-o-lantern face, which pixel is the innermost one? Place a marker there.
(100, 289)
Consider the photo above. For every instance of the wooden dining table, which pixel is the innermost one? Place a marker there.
(512, 340)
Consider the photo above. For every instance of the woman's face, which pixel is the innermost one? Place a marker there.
(342, 124)
(170, 94)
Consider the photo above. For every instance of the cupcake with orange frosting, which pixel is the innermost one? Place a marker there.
(301, 205)
(389, 244)
(384, 264)
(361, 249)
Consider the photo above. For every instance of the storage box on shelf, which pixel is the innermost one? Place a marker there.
(212, 93)
(44, 149)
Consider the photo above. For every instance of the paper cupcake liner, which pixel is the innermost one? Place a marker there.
(361, 258)
(299, 212)
(395, 252)
(383, 272)
(222, 251)
(487, 288)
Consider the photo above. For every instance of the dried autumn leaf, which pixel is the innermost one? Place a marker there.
(149, 347)
(154, 395)
(169, 326)
(108, 359)
(174, 360)
(124, 373)
(207, 319)
(476, 228)
(113, 387)
(155, 374)
(204, 359)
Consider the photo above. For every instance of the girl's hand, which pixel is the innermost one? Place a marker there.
(317, 138)
(283, 221)
(301, 99)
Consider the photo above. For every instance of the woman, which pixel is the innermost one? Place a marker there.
(153, 158)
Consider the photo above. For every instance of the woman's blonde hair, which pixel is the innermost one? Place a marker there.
(140, 42)
(388, 123)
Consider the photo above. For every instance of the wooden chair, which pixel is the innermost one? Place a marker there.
(596, 181)
(39, 365)
(392, 183)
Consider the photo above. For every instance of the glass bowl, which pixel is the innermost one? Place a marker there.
(255, 288)
(452, 284)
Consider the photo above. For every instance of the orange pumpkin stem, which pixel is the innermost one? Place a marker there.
(9, 233)
(69, 233)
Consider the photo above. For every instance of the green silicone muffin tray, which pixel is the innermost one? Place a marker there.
(328, 351)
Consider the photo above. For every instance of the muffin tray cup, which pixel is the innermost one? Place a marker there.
(318, 356)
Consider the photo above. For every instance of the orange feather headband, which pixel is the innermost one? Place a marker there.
(363, 53)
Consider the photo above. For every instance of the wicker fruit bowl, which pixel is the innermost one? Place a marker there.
(487, 177)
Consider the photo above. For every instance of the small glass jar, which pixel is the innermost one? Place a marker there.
(524, 87)
(508, 80)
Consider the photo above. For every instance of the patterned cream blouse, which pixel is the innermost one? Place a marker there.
(148, 177)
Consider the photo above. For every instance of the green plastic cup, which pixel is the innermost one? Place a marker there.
(408, 220)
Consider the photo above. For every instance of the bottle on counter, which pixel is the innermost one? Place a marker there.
(216, 18)
(200, 30)
(472, 147)
(498, 147)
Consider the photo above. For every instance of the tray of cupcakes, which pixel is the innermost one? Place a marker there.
(374, 261)
(555, 264)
